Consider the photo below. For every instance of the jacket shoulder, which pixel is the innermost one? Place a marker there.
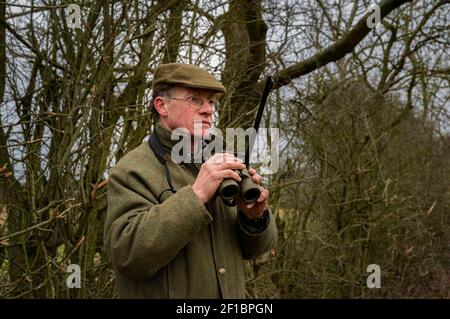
(135, 159)
(138, 171)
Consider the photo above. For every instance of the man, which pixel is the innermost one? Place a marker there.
(167, 233)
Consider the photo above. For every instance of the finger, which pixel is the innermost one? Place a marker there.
(225, 158)
(235, 158)
(228, 173)
(251, 171)
(249, 206)
(230, 165)
(263, 196)
(257, 178)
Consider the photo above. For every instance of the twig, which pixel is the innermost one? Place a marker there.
(24, 231)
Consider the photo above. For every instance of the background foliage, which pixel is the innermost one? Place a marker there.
(363, 115)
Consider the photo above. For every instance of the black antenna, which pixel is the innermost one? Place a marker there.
(262, 103)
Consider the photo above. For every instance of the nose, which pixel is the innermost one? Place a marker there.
(207, 108)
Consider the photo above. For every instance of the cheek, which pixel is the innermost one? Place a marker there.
(176, 117)
(188, 119)
(182, 118)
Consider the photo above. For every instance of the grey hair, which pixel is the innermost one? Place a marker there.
(163, 90)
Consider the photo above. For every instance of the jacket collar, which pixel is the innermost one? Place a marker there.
(164, 137)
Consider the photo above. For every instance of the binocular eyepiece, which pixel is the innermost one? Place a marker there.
(247, 189)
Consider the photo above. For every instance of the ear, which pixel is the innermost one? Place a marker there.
(161, 106)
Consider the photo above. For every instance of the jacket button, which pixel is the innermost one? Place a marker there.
(222, 271)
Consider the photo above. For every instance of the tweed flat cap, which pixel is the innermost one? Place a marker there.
(187, 75)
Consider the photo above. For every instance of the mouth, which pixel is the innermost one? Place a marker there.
(203, 123)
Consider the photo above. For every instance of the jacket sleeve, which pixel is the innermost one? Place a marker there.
(256, 244)
(142, 236)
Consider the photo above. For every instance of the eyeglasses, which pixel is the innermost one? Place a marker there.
(196, 102)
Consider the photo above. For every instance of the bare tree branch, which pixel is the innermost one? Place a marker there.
(337, 50)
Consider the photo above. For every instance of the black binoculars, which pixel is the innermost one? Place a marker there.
(247, 189)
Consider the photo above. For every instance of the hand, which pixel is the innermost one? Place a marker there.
(256, 209)
(219, 167)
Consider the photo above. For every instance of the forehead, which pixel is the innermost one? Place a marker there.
(188, 91)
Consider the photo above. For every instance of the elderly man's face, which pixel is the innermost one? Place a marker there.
(180, 110)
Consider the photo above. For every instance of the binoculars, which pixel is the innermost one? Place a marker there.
(247, 189)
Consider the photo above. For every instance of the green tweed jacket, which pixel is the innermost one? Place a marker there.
(179, 248)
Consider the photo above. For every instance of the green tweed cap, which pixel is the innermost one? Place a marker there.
(187, 75)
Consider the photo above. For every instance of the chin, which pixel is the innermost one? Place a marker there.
(205, 133)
